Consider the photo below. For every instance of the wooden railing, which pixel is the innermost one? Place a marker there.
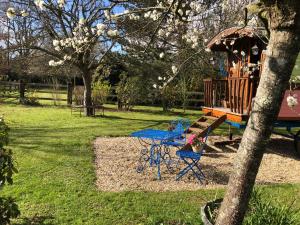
(235, 93)
(215, 92)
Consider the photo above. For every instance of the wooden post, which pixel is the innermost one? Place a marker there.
(22, 91)
(69, 93)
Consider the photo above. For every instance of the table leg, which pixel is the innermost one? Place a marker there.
(152, 154)
(158, 156)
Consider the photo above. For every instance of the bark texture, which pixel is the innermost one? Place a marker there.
(283, 49)
(87, 98)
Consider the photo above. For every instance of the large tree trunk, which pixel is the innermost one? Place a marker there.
(87, 98)
(282, 52)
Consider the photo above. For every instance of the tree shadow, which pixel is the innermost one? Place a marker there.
(35, 220)
(282, 146)
(153, 111)
(214, 175)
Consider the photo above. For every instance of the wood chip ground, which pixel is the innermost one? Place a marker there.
(116, 162)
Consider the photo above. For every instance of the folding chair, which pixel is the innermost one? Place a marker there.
(191, 159)
(179, 126)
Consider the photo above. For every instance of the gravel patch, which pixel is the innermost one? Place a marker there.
(116, 162)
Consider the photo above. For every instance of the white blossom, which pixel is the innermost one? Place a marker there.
(107, 14)
(195, 45)
(112, 33)
(40, 4)
(101, 26)
(180, 12)
(161, 32)
(155, 85)
(67, 57)
(243, 53)
(174, 69)
(81, 21)
(292, 101)
(61, 3)
(24, 13)
(160, 78)
(56, 43)
(10, 13)
(57, 48)
(161, 55)
(58, 63)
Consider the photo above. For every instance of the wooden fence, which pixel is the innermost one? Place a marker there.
(40, 91)
(62, 94)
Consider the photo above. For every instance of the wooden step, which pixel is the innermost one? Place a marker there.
(202, 124)
(215, 122)
(195, 130)
(210, 117)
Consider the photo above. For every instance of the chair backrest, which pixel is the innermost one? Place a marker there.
(180, 125)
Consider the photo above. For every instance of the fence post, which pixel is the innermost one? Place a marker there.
(70, 93)
(22, 91)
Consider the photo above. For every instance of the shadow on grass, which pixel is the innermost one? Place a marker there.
(157, 111)
(65, 140)
(36, 220)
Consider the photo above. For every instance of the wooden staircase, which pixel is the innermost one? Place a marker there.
(202, 125)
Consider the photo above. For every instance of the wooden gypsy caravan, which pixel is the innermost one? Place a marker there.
(228, 96)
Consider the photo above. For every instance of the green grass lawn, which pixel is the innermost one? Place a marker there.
(296, 71)
(56, 179)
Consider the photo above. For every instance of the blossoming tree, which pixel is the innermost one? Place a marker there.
(82, 32)
(79, 33)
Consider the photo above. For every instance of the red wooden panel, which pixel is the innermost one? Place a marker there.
(286, 113)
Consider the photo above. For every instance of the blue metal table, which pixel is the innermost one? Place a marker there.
(158, 142)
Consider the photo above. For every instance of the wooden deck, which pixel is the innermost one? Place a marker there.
(285, 114)
(231, 116)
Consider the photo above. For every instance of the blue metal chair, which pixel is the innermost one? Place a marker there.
(179, 126)
(191, 159)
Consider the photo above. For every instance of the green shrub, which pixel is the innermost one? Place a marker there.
(262, 212)
(100, 92)
(31, 98)
(128, 92)
(8, 208)
(3, 133)
(169, 97)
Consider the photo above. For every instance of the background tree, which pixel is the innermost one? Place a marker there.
(79, 33)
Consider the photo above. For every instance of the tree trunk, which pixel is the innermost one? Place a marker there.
(282, 52)
(87, 98)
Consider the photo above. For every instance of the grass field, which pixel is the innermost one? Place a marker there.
(296, 71)
(55, 183)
